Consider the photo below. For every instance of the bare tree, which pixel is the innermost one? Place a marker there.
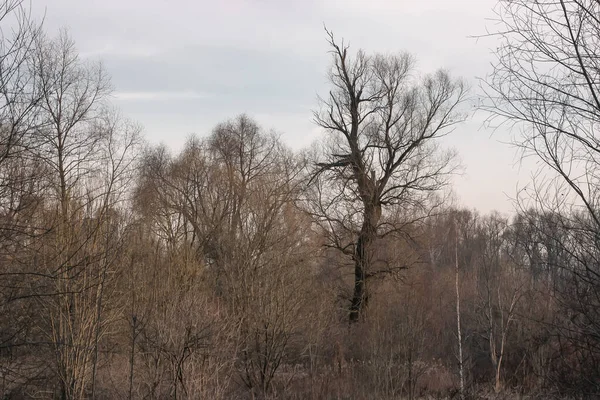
(20, 187)
(383, 123)
(231, 200)
(501, 289)
(459, 337)
(88, 154)
(19, 98)
(546, 83)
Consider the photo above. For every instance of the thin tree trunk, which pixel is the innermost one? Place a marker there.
(134, 331)
(97, 331)
(458, 327)
(498, 385)
(132, 355)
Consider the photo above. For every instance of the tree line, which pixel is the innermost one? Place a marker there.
(238, 268)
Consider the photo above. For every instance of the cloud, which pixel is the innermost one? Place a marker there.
(104, 50)
(159, 96)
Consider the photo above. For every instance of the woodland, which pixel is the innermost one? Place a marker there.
(237, 268)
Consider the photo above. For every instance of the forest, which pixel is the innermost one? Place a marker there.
(238, 268)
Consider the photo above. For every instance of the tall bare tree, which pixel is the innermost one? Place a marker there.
(546, 82)
(20, 187)
(87, 151)
(382, 122)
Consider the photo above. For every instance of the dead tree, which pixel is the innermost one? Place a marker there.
(382, 123)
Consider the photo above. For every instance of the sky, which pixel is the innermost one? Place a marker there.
(179, 67)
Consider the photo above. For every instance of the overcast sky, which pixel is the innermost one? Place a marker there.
(182, 66)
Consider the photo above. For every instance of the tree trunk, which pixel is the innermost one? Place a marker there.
(360, 265)
(458, 326)
(498, 385)
(132, 355)
(362, 260)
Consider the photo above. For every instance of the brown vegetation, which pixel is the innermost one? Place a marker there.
(238, 269)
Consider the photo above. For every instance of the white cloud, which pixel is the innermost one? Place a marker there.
(102, 50)
(159, 96)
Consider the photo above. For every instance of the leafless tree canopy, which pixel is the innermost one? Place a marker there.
(545, 82)
(382, 122)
